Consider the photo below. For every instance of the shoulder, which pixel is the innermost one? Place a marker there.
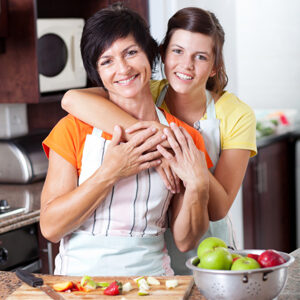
(230, 106)
(156, 87)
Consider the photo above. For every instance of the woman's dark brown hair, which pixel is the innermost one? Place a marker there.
(195, 19)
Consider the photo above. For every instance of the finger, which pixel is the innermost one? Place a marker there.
(151, 142)
(142, 136)
(138, 126)
(149, 164)
(150, 156)
(166, 154)
(170, 178)
(173, 142)
(189, 139)
(180, 137)
(117, 136)
(177, 181)
(164, 177)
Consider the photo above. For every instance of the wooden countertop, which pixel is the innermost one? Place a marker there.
(9, 283)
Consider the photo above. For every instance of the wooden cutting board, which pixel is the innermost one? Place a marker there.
(181, 292)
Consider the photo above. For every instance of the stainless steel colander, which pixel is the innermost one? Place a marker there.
(262, 284)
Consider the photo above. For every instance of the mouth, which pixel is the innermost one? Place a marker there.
(127, 80)
(183, 76)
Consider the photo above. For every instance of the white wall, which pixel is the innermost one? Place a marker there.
(268, 53)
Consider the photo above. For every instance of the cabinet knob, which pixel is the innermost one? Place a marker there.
(3, 256)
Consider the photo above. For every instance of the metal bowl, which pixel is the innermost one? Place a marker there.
(264, 283)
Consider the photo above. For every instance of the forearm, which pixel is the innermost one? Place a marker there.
(219, 200)
(64, 214)
(192, 220)
(92, 107)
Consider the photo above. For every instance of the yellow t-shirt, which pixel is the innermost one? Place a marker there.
(237, 119)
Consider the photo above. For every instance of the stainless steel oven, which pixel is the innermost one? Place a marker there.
(19, 249)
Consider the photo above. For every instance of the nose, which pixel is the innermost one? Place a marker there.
(188, 62)
(123, 66)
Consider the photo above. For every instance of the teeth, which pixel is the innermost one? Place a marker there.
(183, 76)
(127, 80)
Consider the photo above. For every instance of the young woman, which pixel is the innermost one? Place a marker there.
(192, 52)
(113, 222)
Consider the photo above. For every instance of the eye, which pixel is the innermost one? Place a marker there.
(177, 51)
(105, 62)
(201, 57)
(132, 52)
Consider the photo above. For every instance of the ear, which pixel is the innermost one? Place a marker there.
(213, 72)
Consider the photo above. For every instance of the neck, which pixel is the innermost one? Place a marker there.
(140, 107)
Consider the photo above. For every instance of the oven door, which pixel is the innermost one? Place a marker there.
(19, 249)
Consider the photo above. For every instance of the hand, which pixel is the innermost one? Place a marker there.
(187, 161)
(132, 130)
(126, 159)
(170, 179)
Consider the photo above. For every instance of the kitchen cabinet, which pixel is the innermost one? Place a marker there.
(269, 198)
(47, 253)
(19, 78)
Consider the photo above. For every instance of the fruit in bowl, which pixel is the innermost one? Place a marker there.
(218, 258)
(245, 263)
(213, 254)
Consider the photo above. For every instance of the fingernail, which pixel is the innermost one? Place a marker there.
(165, 130)
(172, 124)
(153, 129)
(163, 136)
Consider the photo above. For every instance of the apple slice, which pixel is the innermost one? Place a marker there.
(63, 286)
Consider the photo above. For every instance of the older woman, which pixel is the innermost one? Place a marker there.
(112, 223)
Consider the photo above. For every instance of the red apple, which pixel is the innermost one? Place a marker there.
(270, 258)
(254, 256)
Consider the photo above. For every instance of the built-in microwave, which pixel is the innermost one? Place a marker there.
(58, 50)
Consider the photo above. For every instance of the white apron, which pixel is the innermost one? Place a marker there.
(210, 130)
(124, 236)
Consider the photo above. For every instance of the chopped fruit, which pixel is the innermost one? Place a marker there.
(170, 284)
(115, 288)
(142, 284)
(63, 286)
(76, 287)
(152, 281)
(102, 284)
(84, 279)
(138, 278)
(127, 287)
(143, 292)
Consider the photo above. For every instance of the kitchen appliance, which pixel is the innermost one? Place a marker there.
(297, 162)
(6, 210)
(24, 239)
(22, 159)
(59, 59)
(263, 283)
(13, 120)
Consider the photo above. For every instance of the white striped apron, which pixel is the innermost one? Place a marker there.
(125, 234)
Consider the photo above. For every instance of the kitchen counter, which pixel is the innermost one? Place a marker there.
(9, 283)
(27, 196)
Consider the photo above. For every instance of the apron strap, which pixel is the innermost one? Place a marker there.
(210, 106)
(161, 117)
(162, 95)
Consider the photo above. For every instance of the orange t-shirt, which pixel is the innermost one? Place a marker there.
(67, 139)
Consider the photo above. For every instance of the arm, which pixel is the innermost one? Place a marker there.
(226, 181)
(60, 192)
(91, 106)
(189, 215)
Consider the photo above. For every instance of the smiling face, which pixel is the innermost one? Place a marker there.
(189, 61)
(124, 69)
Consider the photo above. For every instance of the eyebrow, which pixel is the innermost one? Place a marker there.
(123, 51)
(198, 52)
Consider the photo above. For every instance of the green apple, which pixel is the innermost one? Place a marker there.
(208, 244)
(245, 263)
(218, 258)
(235, 256)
